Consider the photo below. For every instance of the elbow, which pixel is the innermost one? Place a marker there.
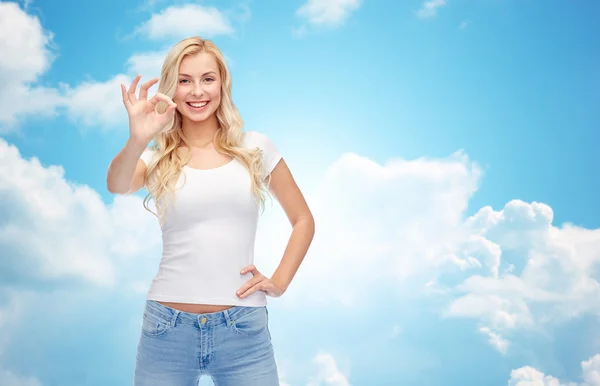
(308, 223)
(115, 188)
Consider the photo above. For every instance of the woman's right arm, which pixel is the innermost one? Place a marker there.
(126, 171)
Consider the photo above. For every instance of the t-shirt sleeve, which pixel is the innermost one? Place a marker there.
(271, 155)
(147, 156)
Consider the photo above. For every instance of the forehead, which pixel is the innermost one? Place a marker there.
(198, 64)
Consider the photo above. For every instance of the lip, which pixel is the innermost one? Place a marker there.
(197, 108)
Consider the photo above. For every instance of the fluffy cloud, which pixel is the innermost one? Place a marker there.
(401, 228)
(26, 55)
(100, 104)
(328, 373)
(528, 376)
(53, 231)
(7, 378)
(178, 22)
(549, 274)
(400, 223)
(429, 8)
(324, 13)
(327, 12)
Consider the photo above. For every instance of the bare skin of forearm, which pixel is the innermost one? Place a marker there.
(300, 240)
(122, 167)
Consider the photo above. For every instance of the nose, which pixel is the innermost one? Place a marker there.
(197, 91)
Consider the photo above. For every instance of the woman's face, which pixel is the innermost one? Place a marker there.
(198, 93)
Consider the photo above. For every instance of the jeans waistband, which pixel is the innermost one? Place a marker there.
(210, 318)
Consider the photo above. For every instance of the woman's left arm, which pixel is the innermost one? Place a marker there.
(285, 190)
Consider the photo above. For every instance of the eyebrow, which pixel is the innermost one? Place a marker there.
(206, 73)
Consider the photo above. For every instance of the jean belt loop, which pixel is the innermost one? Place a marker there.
(227, 316)
(174, 317)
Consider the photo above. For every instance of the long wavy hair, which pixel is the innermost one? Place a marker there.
(164, 170)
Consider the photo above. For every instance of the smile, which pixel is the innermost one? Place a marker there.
(197, 105)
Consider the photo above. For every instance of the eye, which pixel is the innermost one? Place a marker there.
(183, 80)
(209, 79)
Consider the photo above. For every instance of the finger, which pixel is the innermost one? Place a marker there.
(150, 107)
(170, 110)
(126, 100)
(250, 268)
(253, 289)
(250, 283)
(161, 98)
(145, 87)
(133, 87)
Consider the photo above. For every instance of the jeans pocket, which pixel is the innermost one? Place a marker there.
(154, 325)
(250, 323)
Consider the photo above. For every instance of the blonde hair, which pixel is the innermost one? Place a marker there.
(164, 170)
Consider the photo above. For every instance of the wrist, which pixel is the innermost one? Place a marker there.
(137, 144)
(280, 282)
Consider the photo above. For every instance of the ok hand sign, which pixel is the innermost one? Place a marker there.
(144, 121)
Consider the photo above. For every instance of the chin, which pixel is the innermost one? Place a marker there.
(198, 117)
(195, 117)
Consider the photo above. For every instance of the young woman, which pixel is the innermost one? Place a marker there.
(205, 312)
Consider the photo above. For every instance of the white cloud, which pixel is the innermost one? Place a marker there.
(511, 270)
(591, 371)
(52, 230)
(8, 378)
(26, 4)
(26, 55)
(429, 8)
(99, 103)
(464, 24)
(325, 13)
(148, 64)
(328, 373)
(404, 235)
(495, 339)
(529, 376)
(179, 22)
(550, 277)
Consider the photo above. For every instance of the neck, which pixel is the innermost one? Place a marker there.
(199, 134)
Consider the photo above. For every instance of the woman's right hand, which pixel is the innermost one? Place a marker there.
(144, 121)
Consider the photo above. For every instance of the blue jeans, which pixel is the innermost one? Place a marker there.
(232, 346)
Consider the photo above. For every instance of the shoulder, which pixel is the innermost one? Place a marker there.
(271, 155)
(254, 139)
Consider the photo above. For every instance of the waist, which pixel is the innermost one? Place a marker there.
(195, 308)
(191, 318)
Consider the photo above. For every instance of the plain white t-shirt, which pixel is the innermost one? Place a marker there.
(209, 232)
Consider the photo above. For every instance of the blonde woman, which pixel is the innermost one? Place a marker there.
(205, 311)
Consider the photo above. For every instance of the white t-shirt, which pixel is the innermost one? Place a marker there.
(209, 232)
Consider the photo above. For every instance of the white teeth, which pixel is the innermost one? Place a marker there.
(198, 104)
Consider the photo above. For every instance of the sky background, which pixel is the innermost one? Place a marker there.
(447, 148)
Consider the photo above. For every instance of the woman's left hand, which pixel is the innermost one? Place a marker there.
(259, 283)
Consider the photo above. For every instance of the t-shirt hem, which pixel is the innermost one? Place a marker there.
(211, 301)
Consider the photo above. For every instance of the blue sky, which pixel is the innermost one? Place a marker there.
(448, 150)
